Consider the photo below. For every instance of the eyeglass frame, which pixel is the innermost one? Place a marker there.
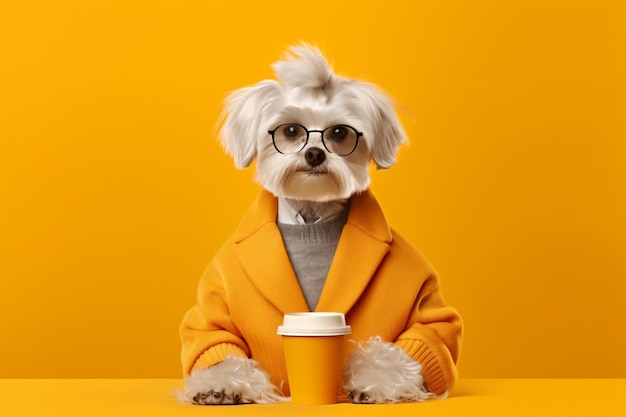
(321, 132)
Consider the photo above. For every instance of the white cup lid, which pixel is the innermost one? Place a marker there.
(314, 324)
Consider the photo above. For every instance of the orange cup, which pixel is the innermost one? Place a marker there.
(314, 346)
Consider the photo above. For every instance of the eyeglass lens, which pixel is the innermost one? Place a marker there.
(291, 138)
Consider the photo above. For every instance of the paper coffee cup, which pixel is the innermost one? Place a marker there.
(314, 346)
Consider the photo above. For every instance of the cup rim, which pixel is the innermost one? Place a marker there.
(292, 330)
(340, 331)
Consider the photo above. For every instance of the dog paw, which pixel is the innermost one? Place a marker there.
(233, 381)
(358, 397)
(379, 372)
(216, 398)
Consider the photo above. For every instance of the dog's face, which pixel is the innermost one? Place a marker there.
(313, 133)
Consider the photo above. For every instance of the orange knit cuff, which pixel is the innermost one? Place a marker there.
(216, 354)
(431, 370)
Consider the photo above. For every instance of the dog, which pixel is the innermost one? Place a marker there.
(316, 239)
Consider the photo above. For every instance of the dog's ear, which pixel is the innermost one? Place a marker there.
(241, 120)
(386, 131)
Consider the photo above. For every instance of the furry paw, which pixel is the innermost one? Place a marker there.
(380, 372)
(234, 381)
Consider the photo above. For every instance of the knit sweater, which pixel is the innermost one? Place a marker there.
(383, 285)
(311, 248)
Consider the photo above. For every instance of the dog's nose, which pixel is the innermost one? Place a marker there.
(314, 156)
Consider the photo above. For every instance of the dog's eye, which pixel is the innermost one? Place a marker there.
(337, 133)
(292, 131)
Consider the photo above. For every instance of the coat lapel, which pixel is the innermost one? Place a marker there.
(363, 244)
(261, 251)
(356, 260)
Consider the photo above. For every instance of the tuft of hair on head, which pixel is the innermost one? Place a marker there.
(306, 67)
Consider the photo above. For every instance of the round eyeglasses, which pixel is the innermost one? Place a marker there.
(292, 138)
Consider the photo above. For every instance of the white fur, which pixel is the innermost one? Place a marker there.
(234, 381)
(381, 372)
(309, 93)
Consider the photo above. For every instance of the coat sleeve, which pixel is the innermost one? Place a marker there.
(207, 332)
(433, 337)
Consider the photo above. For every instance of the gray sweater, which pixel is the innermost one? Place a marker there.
(311, 248)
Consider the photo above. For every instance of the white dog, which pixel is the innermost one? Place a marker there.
(313, 135)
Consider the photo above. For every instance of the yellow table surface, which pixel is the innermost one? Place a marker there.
(152, 397)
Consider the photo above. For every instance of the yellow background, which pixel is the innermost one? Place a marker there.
(114, 193)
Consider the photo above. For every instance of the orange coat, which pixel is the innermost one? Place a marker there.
(380, 282)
